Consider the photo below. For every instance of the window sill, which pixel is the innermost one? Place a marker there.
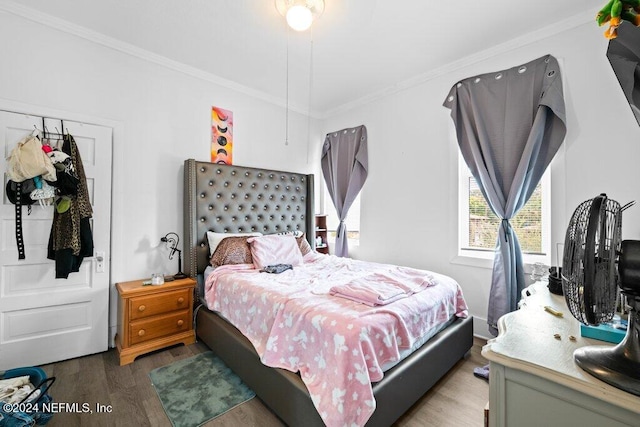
(485, 260)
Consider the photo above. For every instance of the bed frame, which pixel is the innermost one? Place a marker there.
(224, 198)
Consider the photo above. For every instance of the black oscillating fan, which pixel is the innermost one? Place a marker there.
(590, 280)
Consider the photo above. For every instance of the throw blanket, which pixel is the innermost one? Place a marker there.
(339, 346)
(384, 288)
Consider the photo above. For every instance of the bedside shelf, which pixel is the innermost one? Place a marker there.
(321, 232)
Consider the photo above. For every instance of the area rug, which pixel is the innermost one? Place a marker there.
(198, 389)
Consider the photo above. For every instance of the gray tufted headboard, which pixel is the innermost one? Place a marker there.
(238, 199)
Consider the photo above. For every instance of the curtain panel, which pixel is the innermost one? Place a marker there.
(345, 165)
(509, 125)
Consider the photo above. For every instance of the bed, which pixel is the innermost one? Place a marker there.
(230, 199)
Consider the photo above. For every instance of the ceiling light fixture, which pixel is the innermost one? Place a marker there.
(300, 14)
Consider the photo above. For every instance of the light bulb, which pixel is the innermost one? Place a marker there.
(299, 17)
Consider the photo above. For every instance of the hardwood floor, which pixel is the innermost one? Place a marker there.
(97, 380)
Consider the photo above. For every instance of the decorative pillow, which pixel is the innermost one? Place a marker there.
(214, 239)
(274, 249)
(294, 233)
(232, 250)
(304, 246)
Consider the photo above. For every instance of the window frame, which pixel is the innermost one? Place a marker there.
(484, 258)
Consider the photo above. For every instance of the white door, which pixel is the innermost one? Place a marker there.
(44, 319)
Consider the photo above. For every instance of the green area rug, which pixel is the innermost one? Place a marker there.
(197, 389)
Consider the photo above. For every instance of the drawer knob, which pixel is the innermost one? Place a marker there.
(180, 322)
(141, 332)
(180, 300)
(142, 308)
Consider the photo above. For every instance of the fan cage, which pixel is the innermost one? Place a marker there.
(589, 273)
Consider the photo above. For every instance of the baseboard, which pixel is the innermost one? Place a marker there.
(481, 328)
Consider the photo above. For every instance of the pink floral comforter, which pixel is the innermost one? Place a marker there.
(339, 346)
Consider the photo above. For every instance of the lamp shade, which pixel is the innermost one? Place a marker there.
(300, 14)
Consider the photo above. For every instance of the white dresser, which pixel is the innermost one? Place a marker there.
(534, 380)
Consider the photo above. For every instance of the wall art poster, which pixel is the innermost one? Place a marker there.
(221, 136)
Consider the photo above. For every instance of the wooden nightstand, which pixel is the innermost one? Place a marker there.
(153, 317)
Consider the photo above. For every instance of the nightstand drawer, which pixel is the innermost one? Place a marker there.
(145, 330)
(150, 305)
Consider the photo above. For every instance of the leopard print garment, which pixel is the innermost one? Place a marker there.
(65, 232)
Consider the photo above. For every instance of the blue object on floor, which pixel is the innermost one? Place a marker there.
(482, 372)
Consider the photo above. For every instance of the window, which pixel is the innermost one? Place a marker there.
(478, 225)
(352, 221)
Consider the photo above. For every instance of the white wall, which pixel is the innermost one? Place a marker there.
(161, 118)
(409, 202)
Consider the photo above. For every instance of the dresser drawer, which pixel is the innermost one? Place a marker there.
(160, 326)
(150, 305)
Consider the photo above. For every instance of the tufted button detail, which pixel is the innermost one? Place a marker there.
(277, 187)
(218, 171)
(218, 195)
(202, 195)
(233, 196)
(282, 177)
(226, 184)
(253, 185)
(271, 197)
(246, 196)
(259, 196)
(247, 174)
(302, 179)
(210, 183)
(226, 230)
(270, 216)
(233, 219)
(266, 186)
(202, 169)
(287, 188)
(226, 208)
(270, 175)
(202, 245)
(203, 219)
(302, 198)
(260, 175)
(210, 207)
(240, 207)
(218, 219)
(239, 184)
(277, 207)
(233, 173)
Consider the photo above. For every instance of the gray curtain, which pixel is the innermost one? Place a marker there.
(509, 126)
(344, 166)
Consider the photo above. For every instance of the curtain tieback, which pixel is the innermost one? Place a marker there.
(341, 228)
(506, 226)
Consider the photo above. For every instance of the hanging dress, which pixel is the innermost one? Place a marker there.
(71, 238)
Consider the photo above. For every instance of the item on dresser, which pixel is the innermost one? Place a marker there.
(555, 280)
(172, 240)
(592, 245)
(157, 278)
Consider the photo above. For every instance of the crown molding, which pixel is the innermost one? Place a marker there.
(143, 54)
(529, 38)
